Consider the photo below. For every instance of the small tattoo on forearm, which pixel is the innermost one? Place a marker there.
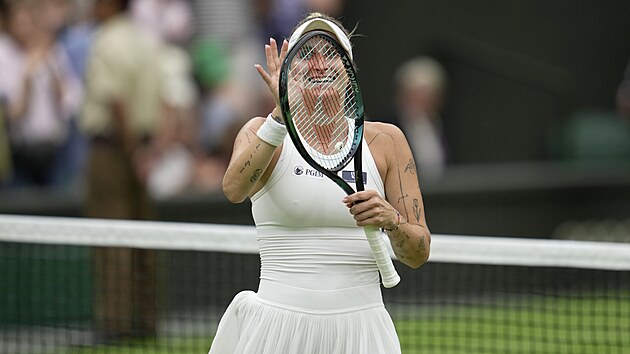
(416, 209)
(245, 165)
(249, 162)
(421, 244)
(249, 139)
(401, 240)
(256, 175)
(411, 167)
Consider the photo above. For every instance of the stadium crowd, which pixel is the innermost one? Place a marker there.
(203, 78)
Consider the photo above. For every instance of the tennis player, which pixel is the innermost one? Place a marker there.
(319, 288)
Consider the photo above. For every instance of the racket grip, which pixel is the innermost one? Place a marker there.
(389, 276)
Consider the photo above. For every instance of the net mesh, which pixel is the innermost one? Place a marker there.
(475, 295)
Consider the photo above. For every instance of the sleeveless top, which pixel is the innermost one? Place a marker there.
(306, 235)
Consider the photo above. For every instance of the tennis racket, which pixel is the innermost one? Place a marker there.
(323, 111)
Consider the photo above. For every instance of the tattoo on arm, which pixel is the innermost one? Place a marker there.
(404, 196)
(249, 162)
(400, 245)
(411, 167)
(416, 209)
(421, 245)
(245, 165)
(256, 175)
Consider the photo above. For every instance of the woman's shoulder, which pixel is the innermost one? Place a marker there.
(382, 131)
(386, 141)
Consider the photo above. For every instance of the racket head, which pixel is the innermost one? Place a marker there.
(321, 102)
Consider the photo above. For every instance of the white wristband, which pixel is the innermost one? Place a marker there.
(272, 132)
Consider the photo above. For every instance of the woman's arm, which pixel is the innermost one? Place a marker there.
(252, 155)
(401, 213)
(250, 159)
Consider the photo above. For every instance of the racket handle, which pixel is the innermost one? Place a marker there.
(389, 276)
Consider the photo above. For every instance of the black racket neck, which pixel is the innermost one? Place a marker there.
(358, 168)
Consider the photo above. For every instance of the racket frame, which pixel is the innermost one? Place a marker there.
(357, 138)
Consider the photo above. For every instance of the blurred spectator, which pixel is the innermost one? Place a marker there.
(40, 92)
(420, 93)
(219, 113)
(623, 94)
(224, 50)
(233, 27)
(120, 118)
(169, 22)
(53, 15)
(76, 35)
(71, 22)
(5, 152)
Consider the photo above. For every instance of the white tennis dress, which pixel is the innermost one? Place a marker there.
(319, 290)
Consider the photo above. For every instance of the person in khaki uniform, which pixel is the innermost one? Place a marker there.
(120, 118)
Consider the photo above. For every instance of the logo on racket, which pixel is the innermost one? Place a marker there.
(348, 176)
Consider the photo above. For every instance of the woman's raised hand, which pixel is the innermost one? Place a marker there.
(274, 63)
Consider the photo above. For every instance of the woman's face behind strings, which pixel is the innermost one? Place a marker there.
(319, 84)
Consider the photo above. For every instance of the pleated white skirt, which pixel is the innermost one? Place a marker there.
(284, 320)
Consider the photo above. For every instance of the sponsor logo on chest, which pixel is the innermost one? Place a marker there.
(302, 171)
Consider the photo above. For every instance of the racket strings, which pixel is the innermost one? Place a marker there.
(323, 105)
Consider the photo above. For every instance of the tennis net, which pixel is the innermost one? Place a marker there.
(72, 285)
